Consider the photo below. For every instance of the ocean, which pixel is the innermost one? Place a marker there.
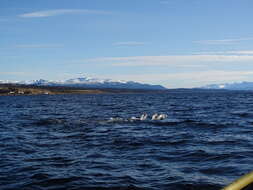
(81, 142)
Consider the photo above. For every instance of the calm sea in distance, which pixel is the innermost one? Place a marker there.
(50, 142)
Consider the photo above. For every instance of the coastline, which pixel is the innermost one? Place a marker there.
(17, 90)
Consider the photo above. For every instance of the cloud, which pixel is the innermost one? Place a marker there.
(129, 43)
(56, 12)
(32, 46)
(164, 2)
(182, 71)
(232, 52)
(242, 52)
(172, 60)
(187, 79)
(12, 73)
(3, 19)
(222, 42)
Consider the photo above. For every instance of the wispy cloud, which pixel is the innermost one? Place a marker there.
(172, 60)
(56, 12)
(242, 52)
(223, 41)
(32, 46)
(164, 2)
(232, 52)
(129, 43)
(186, 79)
(12, 73)
(3, 19)
(191, 70)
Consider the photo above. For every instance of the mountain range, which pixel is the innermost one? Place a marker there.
(87, 82)
(231, 86)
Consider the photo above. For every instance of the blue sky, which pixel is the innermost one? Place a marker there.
(176, 43)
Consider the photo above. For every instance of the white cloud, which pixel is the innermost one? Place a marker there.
(242, 52)
(12, 73)
(3, 19)
(56, 12)
(183, 71)
(223, 41)
(232, 52)
(172, 60)
(187, 79)
(170, 80)
(164, 2)
(38, 46)
(129, 43)
(176, 71)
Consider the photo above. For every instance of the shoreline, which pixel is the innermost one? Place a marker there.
(17, 90)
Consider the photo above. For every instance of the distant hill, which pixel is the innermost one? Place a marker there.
(87, 82)
(231, 86)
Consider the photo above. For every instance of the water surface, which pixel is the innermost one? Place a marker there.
(66, 142)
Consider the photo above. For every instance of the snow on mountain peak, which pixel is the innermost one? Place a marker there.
(231, 86)
(89, 82)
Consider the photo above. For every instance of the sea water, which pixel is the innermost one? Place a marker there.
(69, 142)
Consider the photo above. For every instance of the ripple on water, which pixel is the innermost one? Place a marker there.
(66, 142)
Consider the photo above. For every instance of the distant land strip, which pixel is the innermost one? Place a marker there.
(17, 89)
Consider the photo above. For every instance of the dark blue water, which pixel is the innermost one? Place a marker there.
(66, 142)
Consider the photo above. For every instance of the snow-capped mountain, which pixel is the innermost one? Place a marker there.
(231, 86)
(88, 82)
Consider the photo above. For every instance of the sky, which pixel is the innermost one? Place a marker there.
(175, 43)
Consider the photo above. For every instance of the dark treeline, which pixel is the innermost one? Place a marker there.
(31, 89)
